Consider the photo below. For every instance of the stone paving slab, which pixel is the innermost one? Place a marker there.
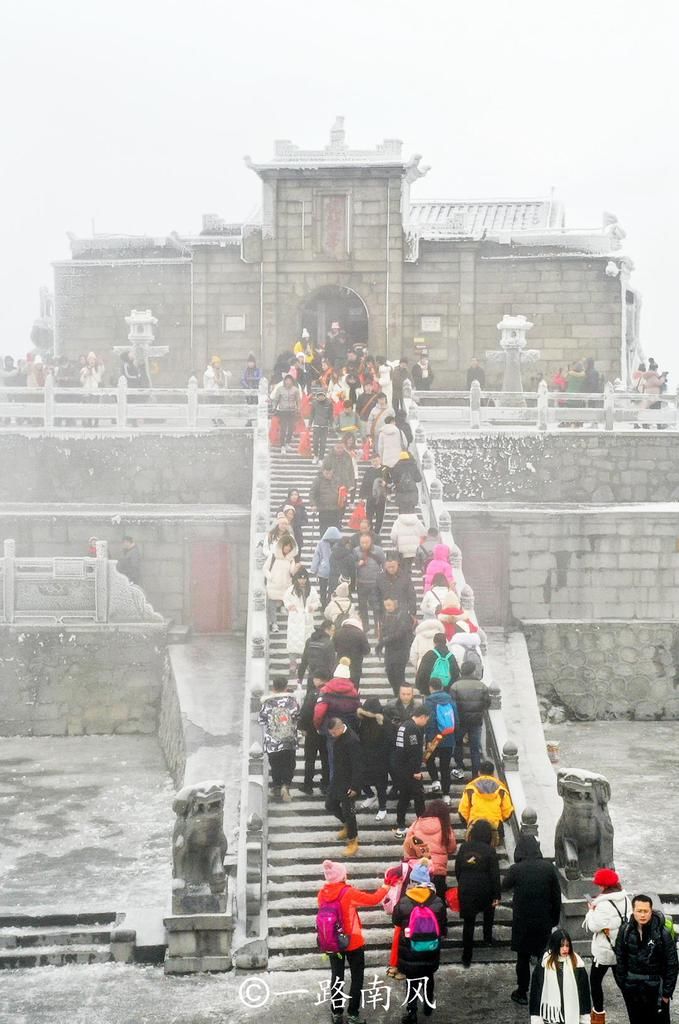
(641, 761)
(86, 823)
(120, 994)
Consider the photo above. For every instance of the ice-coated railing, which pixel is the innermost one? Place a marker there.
(544, 409)
(249, 949)
(500, 746)
(124, 408)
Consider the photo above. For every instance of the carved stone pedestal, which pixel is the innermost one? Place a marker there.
(197, 898)
(197, 943)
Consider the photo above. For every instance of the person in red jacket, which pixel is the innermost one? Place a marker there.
(337, 699)
(354, 955)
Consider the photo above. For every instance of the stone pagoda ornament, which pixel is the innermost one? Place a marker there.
(141, 340)
(514, 354)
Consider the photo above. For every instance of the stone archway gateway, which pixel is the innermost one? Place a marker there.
(335, 303)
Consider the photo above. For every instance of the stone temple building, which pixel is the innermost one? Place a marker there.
(339, 237)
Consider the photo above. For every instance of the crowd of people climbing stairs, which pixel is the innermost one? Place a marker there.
(341, 583)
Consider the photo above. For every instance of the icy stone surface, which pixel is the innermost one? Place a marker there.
(640, 760)
(121, 994)
(87, 823)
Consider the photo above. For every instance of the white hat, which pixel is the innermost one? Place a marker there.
(305, 334)
(343, 670)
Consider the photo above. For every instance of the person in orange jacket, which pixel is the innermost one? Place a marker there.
(337, 888)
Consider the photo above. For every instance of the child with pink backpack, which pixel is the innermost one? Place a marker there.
(421, 917)
(340, 935)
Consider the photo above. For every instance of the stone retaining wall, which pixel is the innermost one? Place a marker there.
(203, 469)
(589, 467)
(609, 670)
(80, 680)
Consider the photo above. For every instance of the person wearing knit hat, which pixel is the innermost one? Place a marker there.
(605, 915)
(337, 889)
(340, 606)
(420, 916)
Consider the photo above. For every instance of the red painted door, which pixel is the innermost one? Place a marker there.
(485, 560)
(210, 587)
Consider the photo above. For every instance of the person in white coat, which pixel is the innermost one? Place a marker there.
(424, 640)
(440, 596)
(278, 571)
(391, 442)
(607, 913)
(300, 602)
(406, 536)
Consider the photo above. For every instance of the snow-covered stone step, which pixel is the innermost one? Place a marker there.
(54, 956)
(377, 960)
(301, 941)
(369, 834)
(302, 904)
(82, 935)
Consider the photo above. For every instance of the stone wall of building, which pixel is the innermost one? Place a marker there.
(93, 298)
(224, 285)
(83, 680)
(589, 467)
(607, 670)
(135, 468)
(168, 540)
(613, 563)
(575, 307)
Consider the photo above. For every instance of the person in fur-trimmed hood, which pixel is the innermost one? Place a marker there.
(559, 990)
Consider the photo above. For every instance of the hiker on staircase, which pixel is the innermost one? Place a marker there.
(440, 737)
(346, 780)
(278, 717)
(407, 766)
(337, 699)
(376, 746)
(340, 936)
(435, 829)
(320, 562)
(437, 663)
(325, 498)
(486, 798)
(315, 743)
(604, 918)
(369, 559)
(352, 643)
(396, 634)
(421, 916)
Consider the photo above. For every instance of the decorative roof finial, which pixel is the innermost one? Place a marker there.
(337, 133)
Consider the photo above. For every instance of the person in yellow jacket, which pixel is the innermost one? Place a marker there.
(488, 798)
(304, 345)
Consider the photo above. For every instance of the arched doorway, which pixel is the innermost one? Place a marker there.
(335, 302)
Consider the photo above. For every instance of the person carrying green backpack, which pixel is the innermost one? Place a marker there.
(438, 664)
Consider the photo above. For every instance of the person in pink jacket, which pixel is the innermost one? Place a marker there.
(436, 831)
(440, 563)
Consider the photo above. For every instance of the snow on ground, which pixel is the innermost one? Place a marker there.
(87, 823)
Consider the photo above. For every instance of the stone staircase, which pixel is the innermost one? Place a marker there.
(301, 834)
(53, 940)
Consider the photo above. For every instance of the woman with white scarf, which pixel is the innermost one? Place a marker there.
(559, 991)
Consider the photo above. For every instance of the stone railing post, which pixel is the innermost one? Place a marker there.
(9, 561)
(101, 582)
(510, 756)
(121, 399)
(529, 822)
(49, 402)
(609, 406)
(192, 404)
(543, 405)
(475, 405)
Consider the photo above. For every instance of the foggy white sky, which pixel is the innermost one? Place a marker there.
(138, 114)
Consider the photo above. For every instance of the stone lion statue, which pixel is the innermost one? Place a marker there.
(198, 840)
(584, 832)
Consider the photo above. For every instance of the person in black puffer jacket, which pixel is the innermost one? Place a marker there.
(646, 964)
(352, 643)
(419, 963)
(375, 740)
(478, 877)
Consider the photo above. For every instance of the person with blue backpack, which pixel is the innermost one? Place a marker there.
(439, 737)
(421, 916)
(340, 936)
